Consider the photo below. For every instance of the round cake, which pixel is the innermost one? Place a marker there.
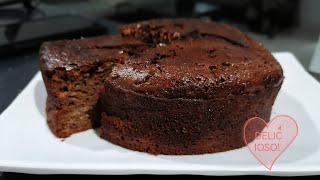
(191, 92)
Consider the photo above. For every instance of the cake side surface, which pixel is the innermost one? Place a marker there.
(180, 126)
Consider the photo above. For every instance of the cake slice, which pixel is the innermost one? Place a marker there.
(73, 72)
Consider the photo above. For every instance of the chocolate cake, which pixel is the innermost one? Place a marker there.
(166, 86)
(192, 93)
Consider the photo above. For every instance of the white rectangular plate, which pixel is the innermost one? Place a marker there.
(28, 146)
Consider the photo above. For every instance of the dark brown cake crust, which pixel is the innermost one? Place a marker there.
(191, 95)
(180, 126)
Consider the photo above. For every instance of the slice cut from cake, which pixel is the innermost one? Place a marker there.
(73, 72)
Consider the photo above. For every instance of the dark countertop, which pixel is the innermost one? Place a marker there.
(15, 73)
